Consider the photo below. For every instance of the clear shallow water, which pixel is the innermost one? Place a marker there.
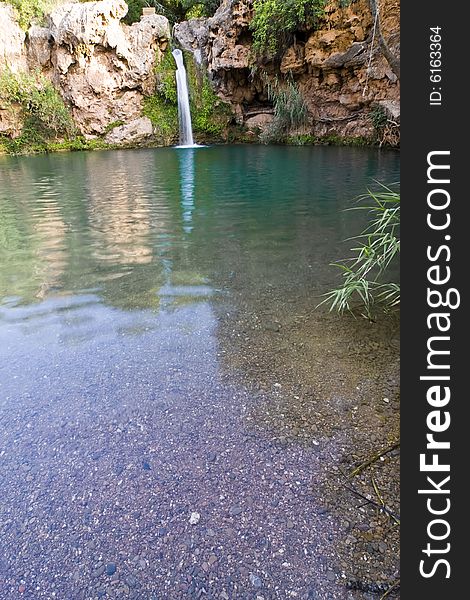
(126, 280)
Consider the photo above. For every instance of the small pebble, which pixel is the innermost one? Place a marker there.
(255, 581)
(110, 569)
(195, 518)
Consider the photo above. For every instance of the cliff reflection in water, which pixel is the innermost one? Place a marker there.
(126, 226)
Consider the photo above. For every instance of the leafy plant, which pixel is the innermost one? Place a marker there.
(378, 248)
(290, 110)
(210, 114)
(174, 10)
(43, 108)
(378, 117)
(32, 11)
(275, 21)
(386, 128)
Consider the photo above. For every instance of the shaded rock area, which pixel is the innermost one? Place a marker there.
(339, 68)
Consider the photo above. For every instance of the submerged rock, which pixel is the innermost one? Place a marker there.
(195, 518)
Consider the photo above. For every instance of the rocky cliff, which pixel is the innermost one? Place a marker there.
(117, 80)
(345, 70)
(102, 67)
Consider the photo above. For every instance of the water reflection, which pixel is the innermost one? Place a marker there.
(186, 168)
(127, 225)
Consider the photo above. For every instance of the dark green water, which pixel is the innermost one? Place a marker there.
(157, 336)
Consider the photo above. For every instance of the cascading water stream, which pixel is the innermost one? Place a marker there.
(184, 112)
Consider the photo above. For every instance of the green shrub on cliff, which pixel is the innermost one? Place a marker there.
(44, 113)
(290, 111)
(275, 21)
(209, 114)
(32, 11)
(174, 10)
(161, 108)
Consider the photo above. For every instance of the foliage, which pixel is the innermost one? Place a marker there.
(378, 117)
(161, 108)
(32, 11)
(164, 118)
(378, 249)
(166, 79)
(209, 114)
(386, 128)
(290, 110)
(275, 21)
(30, 143)
(326, 140)
(45, 115)
(174, 10)
(110, 126)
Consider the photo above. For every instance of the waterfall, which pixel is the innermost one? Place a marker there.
(184, 113)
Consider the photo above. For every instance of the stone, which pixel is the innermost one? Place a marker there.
(194, 518)
(255, 581)
(392, 109)
(330, 68)
(138, 131)
(104, 67)
(110, 569)
(235, 511)
(261, 121)
(12, 39)
(39, 47)
(98, 572)
(11, 120)
(293, 60)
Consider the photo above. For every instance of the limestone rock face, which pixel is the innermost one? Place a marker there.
(102, 67)
(39, 47)
(339, 67)
(12, 49)
(137, 132)
(11, 122)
